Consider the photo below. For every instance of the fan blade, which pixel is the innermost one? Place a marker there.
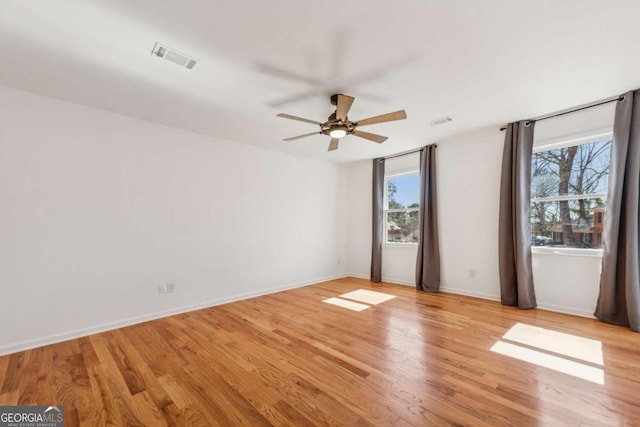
(389, 117)
(370, 136)
(300, 119)
(344, 105)
(333, 145)
(293, 138)
(292, 98)
(286, 74)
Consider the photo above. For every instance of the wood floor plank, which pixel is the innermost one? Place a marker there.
(112, 383)
(86, 396)
(289, 359)
(148, 410)
(9, 398)
(14, 370)
(4, 364)
(28, 381)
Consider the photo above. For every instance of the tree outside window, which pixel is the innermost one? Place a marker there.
(568, 194)
(402, 208)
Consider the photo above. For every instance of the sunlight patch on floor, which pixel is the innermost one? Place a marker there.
(558, 342)
(545, 360)
(367, 296)
(557, 348)
(351, 305)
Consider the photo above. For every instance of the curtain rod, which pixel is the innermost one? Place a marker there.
(573, 110)
(404, 153)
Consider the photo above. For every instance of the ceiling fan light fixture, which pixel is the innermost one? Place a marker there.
(338, 124)
(338, 132)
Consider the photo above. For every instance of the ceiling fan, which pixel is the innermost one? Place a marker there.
(338, 124)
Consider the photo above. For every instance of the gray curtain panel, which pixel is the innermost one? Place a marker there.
(516, 276)
(619, 299)
(378, 220)
(428, 261)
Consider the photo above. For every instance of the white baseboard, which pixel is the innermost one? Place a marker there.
(398, 281)
(458, 291)
(359, 276)
(487, 296)
(567, 310)
(541, 305)
(384, 279)
(83, 332)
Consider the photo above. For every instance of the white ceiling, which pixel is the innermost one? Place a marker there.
(481, 62)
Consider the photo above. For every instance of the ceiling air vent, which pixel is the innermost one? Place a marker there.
(440, 121)
(173, 55)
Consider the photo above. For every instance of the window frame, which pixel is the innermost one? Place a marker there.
(386, 210)
(570, 141)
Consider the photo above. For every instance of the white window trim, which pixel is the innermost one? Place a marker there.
(385, 211)
(590, 253)
(554, 144)
(571, 140)
(408, 245)
(584, 196)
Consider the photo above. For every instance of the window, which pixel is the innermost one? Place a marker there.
(569, 191)
(402, 204)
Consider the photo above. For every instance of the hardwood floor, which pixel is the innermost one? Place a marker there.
(290, 359)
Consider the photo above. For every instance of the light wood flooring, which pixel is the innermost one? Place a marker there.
(290, 359)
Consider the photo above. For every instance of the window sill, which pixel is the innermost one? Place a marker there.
(590, 253)
(400, 245)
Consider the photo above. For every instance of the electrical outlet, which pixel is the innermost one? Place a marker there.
(472, 273)
(171, 288)
(162, 289)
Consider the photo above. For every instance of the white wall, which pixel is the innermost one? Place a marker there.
(567, 283)
(468, 199)
(359, 218)
(98, 209)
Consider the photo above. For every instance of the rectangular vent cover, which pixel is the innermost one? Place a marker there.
(440, 121)
(162, 51)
